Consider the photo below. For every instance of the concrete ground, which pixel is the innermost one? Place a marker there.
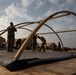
(66, 67)
(6, 57)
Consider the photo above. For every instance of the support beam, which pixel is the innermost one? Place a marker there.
(24, 45)
(57, 32)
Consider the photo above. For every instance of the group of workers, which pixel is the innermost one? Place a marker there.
(34, 41)
(11, 39)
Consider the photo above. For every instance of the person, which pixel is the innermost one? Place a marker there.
(18, 43)
(11, 37)
(43, 43)
(4, 44)
(59, 46)
(54, 46)
(34, 42)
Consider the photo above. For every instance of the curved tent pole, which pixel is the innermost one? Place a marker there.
(28, 23)
(26, 29)
(26, 42)
(56, 34)
(51, 29)
(66, 31)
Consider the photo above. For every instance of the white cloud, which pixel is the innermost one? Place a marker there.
(17, 12)
(10, 11)
(57, 27)
(4, 21)
(39, 3)
(13, 12)
(39, 18)
(26, 3)
(69, 20)
(48, 13)
(19, 33)
(0, 12)
(71, 1)
(71, 27)
(53, 1)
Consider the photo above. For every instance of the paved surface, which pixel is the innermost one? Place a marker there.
(67, 67)
(27, 54)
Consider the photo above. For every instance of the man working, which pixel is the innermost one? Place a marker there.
(34, 42)
(43, 43)
(18, 43)
(11, 37)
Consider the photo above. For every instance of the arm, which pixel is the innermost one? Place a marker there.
(15, 29)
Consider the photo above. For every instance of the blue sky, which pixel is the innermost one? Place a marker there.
(19, 11)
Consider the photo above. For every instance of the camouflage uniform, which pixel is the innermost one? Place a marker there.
(43, 43)
(11, 37)
(18, 43)
(34, 42)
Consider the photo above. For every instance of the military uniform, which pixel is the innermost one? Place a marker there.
(34, 42)
(18, 43)
(11, 37)
(43, 43)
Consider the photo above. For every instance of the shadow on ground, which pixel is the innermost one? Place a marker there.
(74, 74)
(26, 63)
